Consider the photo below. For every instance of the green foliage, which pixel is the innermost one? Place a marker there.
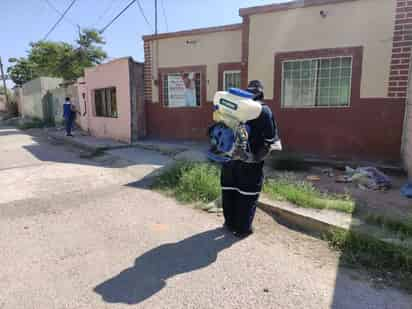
(9, 93)
(22, 71)
(402, 227)
(375, 255)
(304, 194)
(191, 182)
(58, 59)
(285, 161)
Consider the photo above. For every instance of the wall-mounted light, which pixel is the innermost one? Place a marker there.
(323, 13)
(191, 42)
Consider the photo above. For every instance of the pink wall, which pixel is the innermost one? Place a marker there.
(82, 104)
(111, 74)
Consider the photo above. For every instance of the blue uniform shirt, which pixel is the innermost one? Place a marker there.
(67, 110)
(263, 130)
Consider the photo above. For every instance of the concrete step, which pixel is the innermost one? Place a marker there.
(317, 222)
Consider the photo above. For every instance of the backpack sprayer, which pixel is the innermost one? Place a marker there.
(229, 136)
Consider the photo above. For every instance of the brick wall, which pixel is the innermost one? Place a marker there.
(401, 51)
(147, 72)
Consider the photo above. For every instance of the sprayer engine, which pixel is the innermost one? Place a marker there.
(229, 135)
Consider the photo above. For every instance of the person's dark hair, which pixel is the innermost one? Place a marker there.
(67, 99)
(256, 87)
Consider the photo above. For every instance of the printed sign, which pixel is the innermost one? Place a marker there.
(181, 90)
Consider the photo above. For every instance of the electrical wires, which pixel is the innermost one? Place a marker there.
(59, 20)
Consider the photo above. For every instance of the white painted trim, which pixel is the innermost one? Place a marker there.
(230, 72)
(240, 191)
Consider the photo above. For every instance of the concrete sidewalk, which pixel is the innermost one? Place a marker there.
(84, 141)
(179, 150)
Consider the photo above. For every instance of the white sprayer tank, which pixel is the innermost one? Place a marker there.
(234, 107)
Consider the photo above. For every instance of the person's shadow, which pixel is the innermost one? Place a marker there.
(152, 269)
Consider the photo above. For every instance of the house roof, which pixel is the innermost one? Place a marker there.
(286, 6)
(198, 31)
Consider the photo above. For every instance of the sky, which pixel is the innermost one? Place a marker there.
(25, 21)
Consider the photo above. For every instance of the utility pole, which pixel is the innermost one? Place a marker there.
(4, 82)
(155, 17)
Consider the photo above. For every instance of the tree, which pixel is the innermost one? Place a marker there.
(22, 71)
(3, 92)
(88, 52)
(59, 59)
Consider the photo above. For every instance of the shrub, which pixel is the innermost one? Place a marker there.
(191, 182)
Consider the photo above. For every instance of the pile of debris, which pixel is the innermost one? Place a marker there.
(406, 190)
(366, 178)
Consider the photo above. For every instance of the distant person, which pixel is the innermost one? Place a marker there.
(69, 115)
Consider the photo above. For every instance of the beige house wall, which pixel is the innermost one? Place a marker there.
(208, 49)
(57, 98)
(367, 23)
(33, 96)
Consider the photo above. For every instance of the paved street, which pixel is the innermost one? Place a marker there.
(85, 233)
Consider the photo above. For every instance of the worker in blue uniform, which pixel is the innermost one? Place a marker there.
(69, 114)
(242, 181)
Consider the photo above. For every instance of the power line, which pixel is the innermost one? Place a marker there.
(51, 5)
(117, 16)
(59, 20)
(105, 12)
(164, 15)
(155, 3)
(144, 15)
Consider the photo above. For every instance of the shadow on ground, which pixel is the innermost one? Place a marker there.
(49, 150)
(150, 272)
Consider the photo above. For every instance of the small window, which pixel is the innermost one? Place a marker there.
(231, 79)
(324, 82)
(105, 102)
(181, 89)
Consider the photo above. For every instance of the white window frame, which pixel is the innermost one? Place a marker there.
(311, 59)
(230, 72)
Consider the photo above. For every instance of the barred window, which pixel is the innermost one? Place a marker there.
(105, 102)
(231, 79)
(321, 82)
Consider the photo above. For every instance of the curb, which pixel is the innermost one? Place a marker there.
(297, 221)
(318, 228)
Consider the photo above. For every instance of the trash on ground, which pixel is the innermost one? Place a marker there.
(407, 190)
(343, 179)
(368, 178)
(313, 178)
(329, 172)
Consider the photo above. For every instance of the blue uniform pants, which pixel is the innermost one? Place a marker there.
(69, 124)
(241, 185)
